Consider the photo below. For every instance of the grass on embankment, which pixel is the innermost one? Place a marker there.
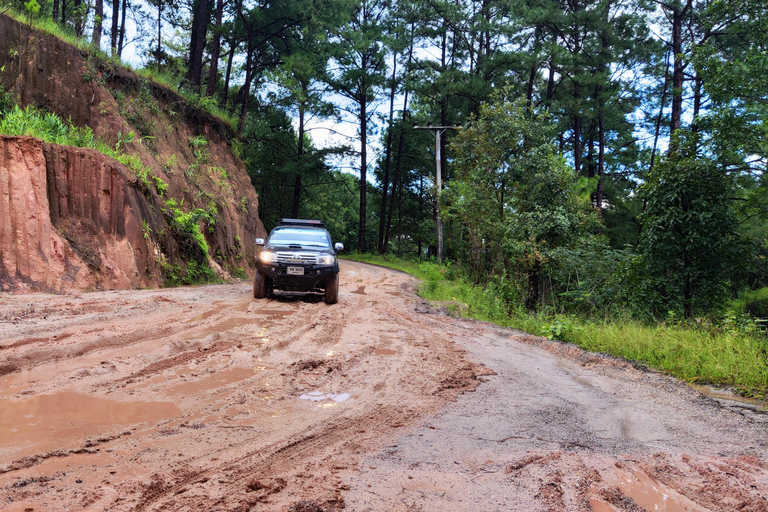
(732, 354)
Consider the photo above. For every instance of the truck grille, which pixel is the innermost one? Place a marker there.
(296, 257)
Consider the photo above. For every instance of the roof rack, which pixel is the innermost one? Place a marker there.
(302, 222)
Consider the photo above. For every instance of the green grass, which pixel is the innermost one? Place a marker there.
(47, 25)
(446, 285)
(707, 355)
(731, 353)
(52, 129)
(171, 81)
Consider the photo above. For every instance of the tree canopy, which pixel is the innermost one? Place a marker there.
(598, 136)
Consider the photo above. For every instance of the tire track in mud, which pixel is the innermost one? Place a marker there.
(42, 356)
(236, 369)
(324, 442)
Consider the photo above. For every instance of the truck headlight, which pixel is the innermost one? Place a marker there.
(326, 259)
(267, 257)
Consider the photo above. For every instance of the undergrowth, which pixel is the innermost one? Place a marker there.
(731, 351)
(171, 81)
(50, 128)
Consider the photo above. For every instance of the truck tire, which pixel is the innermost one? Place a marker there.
(259, 285)
(332, 290)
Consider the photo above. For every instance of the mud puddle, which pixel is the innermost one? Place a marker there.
(644, 491)
(46, 422)
(213, 381)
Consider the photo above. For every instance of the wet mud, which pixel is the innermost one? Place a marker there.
(202, 398)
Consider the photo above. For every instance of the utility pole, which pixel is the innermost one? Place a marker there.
(438, 181)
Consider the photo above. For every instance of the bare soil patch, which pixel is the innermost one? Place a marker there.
(202, 398)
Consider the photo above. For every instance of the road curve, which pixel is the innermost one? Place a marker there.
(203, 398)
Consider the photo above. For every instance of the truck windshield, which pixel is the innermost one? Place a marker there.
(303, 237)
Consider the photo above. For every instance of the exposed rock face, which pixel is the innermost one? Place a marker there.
(72, 218)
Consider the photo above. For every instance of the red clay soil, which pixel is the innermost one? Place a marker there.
(203, 398)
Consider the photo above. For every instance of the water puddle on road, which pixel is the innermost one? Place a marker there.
(319, 396)
(645, 492)
(216, 380)
(232, 323)
(47, 422)
(274, 314)
(724, 394)
(208, 314)
(384, 352)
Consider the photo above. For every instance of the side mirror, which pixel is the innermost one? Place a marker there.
(339, 246)
(259, 241)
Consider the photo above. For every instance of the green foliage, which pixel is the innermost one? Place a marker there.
(515, 198)
(193, 272)
(49, 127)
(146, 229)
(122, 140)
(724, 356)
(32, 9)
(141, 110)
(751, 302)
(160, 185)
(6, 100)
(557, 329)
(187, 224)
(689, 245)
(242, 205)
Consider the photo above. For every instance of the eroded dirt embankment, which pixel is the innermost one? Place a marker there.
(205, 399)
(73, 218)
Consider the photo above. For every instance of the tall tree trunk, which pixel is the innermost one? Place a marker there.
(678, 71)
(387, 159)
(552, 72)
(400, 145)
(361, 246)
(55, 11)
(98, 15)
(159, 50)
(577, 118)
(534, 67)
(590, 160)
(213, 71)
(197, 44)
(115, 25)
(78, 18)
(232, 49)
(120, 39)
(534, 285)
(600, 155)
(246, 89)
(697, 98)
(299, 155)
(659, 118)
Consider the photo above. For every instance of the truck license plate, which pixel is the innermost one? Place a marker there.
(295, 271)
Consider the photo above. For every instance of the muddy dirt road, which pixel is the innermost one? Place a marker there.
(205, 399)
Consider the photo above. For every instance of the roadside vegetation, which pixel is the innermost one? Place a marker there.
(47, 126)
(730, 352)
(30, 15)
(50, 128)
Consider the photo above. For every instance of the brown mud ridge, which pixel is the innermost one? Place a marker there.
(202, 398)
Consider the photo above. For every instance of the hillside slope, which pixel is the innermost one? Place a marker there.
(73, 218)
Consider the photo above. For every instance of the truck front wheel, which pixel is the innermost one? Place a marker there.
(259, 285)
(332, 290)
